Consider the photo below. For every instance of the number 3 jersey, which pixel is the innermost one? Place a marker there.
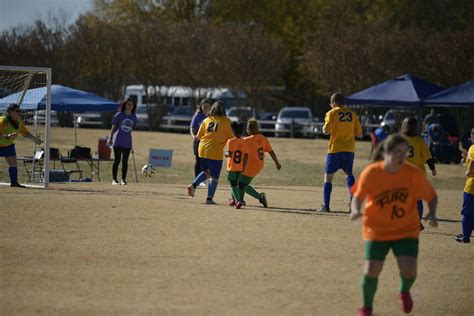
(238, 149)
(390, 210)
(344, 125)
(258, 145)
(418, 152)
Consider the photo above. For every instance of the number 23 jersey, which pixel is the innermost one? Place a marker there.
(257, 145)
(343, 124)
(390, 210)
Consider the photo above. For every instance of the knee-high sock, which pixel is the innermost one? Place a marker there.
(13, 172)
(467, 226)
(405, 284)
(327, 189)
(250, 190)
(234, 190)
(211, 189)
(419, 205)
(350, 180)
(200, 178)
(369, 287)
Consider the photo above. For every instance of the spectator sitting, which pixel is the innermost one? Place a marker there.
(378, 135)
(437, 142)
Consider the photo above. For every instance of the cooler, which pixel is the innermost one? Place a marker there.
(103, 151)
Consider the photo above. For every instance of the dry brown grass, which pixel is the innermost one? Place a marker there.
(90, 248)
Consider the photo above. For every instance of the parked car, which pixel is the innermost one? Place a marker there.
(179, 119)
(239, 113)
(142, 117)
(89, 119)
(394, 117)
(295, 120)
(267, 121)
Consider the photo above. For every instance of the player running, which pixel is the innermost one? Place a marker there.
(343, 125)
(390, 188)
(213, 134)
(467, 210)
(237, 155)
(258, 145)
(418, 153)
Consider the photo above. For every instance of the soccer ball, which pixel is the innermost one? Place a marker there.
(148, 170)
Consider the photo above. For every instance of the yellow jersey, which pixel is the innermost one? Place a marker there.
(469, 187)
(418, 152)
(7, 128)
(213, 135)
(343, 124)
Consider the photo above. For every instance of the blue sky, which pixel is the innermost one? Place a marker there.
(15, 12)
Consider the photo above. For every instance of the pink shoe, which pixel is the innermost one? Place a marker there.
(406, 302)
(238, 205)
(232, 202)
(364, 311)
(191, 190)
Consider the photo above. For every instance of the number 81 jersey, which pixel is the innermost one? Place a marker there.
(343, 124)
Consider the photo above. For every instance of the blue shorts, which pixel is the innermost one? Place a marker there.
(214, 166)
(8, 151)
(341, 160)
(468, 205)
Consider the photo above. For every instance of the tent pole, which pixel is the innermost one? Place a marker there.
(75, 129)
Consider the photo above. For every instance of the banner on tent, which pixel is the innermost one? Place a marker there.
(160, 157)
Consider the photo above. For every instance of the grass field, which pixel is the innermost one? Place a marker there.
(148, 248)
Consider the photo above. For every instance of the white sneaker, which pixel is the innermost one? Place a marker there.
(202, 184)
(115, 182)
(123, 182)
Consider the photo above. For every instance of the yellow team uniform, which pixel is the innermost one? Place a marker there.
(238, 148)
(6, 128)
(213, 135)
(418, 152)
(390, 209)
(258, 145)
(343, 125)
(469, 187)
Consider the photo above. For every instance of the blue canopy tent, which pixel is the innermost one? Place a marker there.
(404, 91)
(458, 96)
(62, 99)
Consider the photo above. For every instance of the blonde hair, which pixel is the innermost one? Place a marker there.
(252, 125)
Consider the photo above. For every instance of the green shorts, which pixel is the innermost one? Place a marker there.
(377, 250)
(234, 175)
(245, 179)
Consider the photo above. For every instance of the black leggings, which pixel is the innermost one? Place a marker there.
(197, 165)
(120, 153)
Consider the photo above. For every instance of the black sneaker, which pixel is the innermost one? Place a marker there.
(263, 200)
(460, 238)
(17, 185)
(324, 209)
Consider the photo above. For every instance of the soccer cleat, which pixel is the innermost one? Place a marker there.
(460, 238)
(324, 209)
(364, 311)
(123, 182)
(232, 202)
(115, 182)
(191, 190)
(202, 184)
(263, 200)
(422, 227)
(210, 202)
(17, 185)
(406, 302)
(238, 205)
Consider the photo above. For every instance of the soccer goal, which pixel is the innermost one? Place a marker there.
(30, 88)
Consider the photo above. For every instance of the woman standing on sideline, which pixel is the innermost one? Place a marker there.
(213, 135)
(121, 138)
(10, 126)
(201, 113)
(390, 188)
(418, 153)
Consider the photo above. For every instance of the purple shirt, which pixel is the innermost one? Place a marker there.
(125, 124)
(196, 121)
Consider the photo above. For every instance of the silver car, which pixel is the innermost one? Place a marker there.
(295, 121)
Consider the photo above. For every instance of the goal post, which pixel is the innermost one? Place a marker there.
(30, 88)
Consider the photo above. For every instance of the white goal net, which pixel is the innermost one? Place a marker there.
(30, 88)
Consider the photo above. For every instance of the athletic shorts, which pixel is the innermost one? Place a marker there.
(341, 160)
(245, 179)
(8, 151)
(377, 250)
(234, 175)
(468, 205)
(214, 166)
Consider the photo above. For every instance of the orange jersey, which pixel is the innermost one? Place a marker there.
(238, 149)
(390, 210)
(258, 145)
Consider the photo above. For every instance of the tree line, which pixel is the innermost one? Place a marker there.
(277, 52)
